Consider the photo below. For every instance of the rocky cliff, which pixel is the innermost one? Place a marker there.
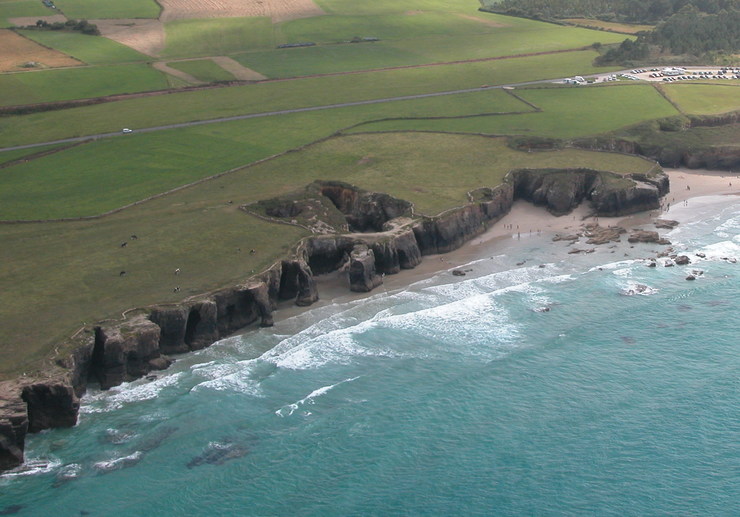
(387, 239)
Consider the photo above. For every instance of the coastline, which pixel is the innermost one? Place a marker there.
(55, 403)
(334, 287)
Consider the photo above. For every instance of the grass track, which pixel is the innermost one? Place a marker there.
(76, 83)
(94, 50)
(79, 262)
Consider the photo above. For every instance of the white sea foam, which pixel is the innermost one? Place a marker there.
(126, 393)
(635, 289)
(119, 463)
(310, 398)
(32, 467)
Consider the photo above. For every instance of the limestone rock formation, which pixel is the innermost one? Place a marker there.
(362, 274)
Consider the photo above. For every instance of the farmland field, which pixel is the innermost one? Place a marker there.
(21, 8)
(94, 178)
(705, 99)
(566, 113)
(217, 36)
(147, 112)
(77, 83)
(80, 261)
(17, 50)
(203, 69)
(90, 49)
(84, 9)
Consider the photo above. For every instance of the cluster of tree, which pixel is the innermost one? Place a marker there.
(82, 26)
(634, 11)
(689, 31)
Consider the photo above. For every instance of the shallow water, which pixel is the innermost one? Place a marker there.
(556, 387)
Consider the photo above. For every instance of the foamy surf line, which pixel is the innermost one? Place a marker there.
(310, 398)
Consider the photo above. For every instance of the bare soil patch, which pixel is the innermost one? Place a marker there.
(489, 23)
(145, 36)
(18, 50)
(277, 10)
(31, 20)
(238, 70)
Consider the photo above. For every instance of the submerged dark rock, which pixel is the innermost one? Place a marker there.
(218, 453)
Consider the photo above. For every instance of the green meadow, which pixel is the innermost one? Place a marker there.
(76, 83)
(217, 36)
(103, 175)
(267, 96)
(566, 113)
(99, 9)
(203, 69)
(94, 50)
(80, 262)
(21, 8)
(705, 99)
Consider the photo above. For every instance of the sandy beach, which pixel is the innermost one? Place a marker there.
(526, 220)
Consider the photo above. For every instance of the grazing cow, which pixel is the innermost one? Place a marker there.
(177, 271)
(124, 244)
(122, 273)
(134, 237)
(176, 289)
(252, 252)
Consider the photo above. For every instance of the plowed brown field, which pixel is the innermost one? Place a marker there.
(277, 10)
(18, 50)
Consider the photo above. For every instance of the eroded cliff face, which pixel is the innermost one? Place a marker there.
(113, 352)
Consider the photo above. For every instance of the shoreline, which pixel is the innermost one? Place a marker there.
(334, 287)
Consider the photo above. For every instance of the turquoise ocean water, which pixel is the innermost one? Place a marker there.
(454, 396)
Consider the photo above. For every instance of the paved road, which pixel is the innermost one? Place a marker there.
(279, 112)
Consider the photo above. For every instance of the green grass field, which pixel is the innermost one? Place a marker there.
(392, 6)
(80, 262)
(147, 112)
(704, 99)
(217, 36)
(203, 69)
(21, 8)
(100, 9)
(9, 156)
(566, 113)
(97, 177)
(94, 50)
(77, 83)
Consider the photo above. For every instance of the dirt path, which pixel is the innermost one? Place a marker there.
(162, 67)
(238, 70)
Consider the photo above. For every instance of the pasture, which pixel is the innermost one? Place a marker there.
(76, 83)
(216, 36)
(80, 262)
(85, 9)
(93, 50)
(203, 69)
(267, 96)
(566, 113)
(705, 99)
(21, 9)
(104, 175)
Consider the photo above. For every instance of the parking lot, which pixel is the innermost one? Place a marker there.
(671, 74)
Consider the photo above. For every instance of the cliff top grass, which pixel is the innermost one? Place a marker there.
(60, 276)
(705, 99)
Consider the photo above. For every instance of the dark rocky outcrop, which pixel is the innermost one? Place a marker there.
(362, 274)
(13, 426)
(365, 211)
(646, 236)
(50, 404)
